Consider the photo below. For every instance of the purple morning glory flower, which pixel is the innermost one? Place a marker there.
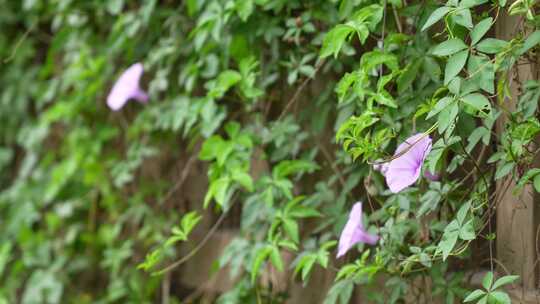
(431, 176)
(354, 232)
(405, 169)
(381, 167)
(127, 87)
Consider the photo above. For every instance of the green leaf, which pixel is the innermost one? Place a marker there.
(344, 84)
(370, 15)
(537, 183)
(406, 78)
(475, 137)
(115, 6)
(455, 86)
(307, 70)
(480, 30)
(303, 212)
(223, 82)
(449, 47)
(454, 65)
(5, 254)
(439, 106)
(384, 80)
(288, 244)
(328, 244)
(437, 15)
(260, 257)
(487, 281)
(291, 227)
(432, 68)
(463, 17)
(180, 234)
(192, 7)
(478, 102)
(375, 58)
(386, 99)
(447, 116)
(437, 151)
(499, 297)
(232, 129)
(218, 190)
(462, 212)
(471, 3)
(275, 258)
(531, 41)
(243, 178)
(244, 8)
(491, 45)
(504, 170)
(289, 167)
(342, 291)
(334, 40)
(530, 174)
(305, 264)
(189, 221)
(151, 259)
(483, 73)
(466, 232)
(474, 295)
(449, 239)
(504, 281)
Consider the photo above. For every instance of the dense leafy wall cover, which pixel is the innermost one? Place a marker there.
(321, 93)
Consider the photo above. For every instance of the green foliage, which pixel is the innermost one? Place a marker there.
(284, 106)
(492, 294)
(307, 260)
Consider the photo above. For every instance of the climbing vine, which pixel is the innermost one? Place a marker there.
(371, 140)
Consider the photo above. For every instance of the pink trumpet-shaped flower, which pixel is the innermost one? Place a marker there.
(354, 232)
(405, 169)
(127, 87)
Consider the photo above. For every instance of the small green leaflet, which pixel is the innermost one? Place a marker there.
(181, 233)
(437, 15)
(531, 41)
(463, 17)
(439, 106)
(449, 47)
(482, 73)
(457, 228)
(454, 65)
(537, 183)
(407, 77)
(244, 9)
(449, 239)
(471, 3)
(480, 30)
(447, 116)
(491, 45)
(223, 82)
(503, 169)
(504, 281)
(474, 295)
(478, 102)
(334, 40)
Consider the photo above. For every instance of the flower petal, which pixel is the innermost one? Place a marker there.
(127, 87)
(368, 238)
(405, 169)
(381, 167)
(354, 232)
(431, 176)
